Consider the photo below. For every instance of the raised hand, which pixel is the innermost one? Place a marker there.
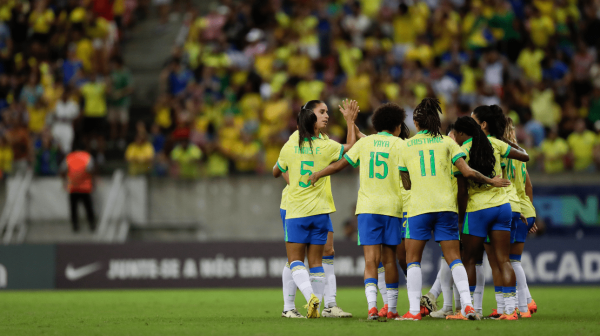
(349, 109)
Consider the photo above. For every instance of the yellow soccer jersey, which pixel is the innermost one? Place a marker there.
(377, 156)
(527, 208)
(509, 166)
(304, 200)
(405, 200)
(486, 196)
(429, 161)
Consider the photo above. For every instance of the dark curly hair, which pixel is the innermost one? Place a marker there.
(481, 155)
(306, 122)
(389, 116)
(427, 115)
(450, 128)
(493, 116)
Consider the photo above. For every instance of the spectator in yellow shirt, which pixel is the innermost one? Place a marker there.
(94, 113)
(541, 28)
(139, 155)
(530, 62)
(186, 157)
(246, 154)
(582, 143)
(37, 116)
(6, 157)
(310, 88)
(554, 151)
(360, 87)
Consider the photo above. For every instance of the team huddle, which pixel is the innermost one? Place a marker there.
(468, 188)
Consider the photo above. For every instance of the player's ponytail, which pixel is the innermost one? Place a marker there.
(427, 115)
(306, 123)
(493, 116)
(481, 155)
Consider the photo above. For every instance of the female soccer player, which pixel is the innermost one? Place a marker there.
(425, 164)
(487, 209)
(307, 215)
(289, 287)
(522, 183)
(379, 205)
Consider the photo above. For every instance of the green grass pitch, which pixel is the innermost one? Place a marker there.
(561, 311)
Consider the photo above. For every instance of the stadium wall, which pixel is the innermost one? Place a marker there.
(546, 261)
(247, 208)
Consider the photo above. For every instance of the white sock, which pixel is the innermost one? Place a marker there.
(301, 278)
(446, 284)
(414, 286)
(371, 292)
(499, 299)
(459, 274)
(289, 289)
(510, 299)
(317, 281)
(456, 296)
(381, 283)
(392, 297)
(436, 288)
(330, 282)
(522, 289)
(480, 285)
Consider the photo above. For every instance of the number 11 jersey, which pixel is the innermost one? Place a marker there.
(377, 156)
(303, 199)
(429, 161)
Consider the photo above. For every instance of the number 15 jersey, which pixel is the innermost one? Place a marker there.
(379, 193)
(303, 199)
(429, 160)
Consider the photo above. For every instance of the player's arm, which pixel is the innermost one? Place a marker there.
(359, 134)
(516, 152)
(349, 110)
(478, 177)
(405, 176)
(462, 196)
(329, 170)
(276, 171)
(528, 187)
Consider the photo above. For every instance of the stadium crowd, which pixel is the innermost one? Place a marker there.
(238, 76)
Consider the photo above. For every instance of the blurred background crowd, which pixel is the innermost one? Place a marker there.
(237, 76)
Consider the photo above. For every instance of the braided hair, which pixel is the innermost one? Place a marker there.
(481, 155)
(306, 123)
(493, 116)
(426, 114)
(389, 116)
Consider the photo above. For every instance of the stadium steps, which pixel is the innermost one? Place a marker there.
(48, 232)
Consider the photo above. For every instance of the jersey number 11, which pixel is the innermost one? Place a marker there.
(431, 162)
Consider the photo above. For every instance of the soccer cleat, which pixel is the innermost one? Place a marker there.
(510, 317)
(373, 314)
(409, 317)
(424, 311)
(479, 316)
(532, 306)
(526, 314)
(313, 307)
(470, 313)
(494, 315)
(428, 301)
(292, 314)
(441, 314)
(335, 312)
(458, 316)
(383, 312)
(392, 316)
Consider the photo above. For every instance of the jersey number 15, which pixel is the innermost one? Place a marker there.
(375, 161)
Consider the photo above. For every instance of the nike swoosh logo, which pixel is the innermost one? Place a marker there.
(74, 274)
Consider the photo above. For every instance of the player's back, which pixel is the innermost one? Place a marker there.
(513, 197)
(304, 200)
(527, 208)
(380, 192)
(429, 161)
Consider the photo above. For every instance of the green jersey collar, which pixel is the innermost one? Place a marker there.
(384, 133)
(467, 141)
(423, 132)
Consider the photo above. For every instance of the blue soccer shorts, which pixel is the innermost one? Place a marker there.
(308, 230)
(443, 224)
(379, 229)
(480, 223)
(522, 230)
(404, 219)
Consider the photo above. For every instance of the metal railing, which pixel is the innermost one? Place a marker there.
(113, 226)
(13, 227)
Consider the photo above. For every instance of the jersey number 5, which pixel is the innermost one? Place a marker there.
(305, 172)
(375, 157)
(431, 162)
